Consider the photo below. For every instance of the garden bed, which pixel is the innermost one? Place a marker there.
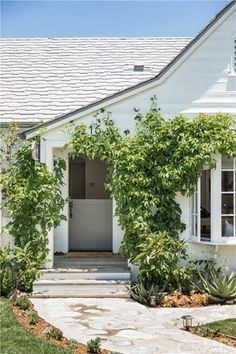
(222, 331)
(39, 330)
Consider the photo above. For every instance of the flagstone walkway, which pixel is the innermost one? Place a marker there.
(128, 327)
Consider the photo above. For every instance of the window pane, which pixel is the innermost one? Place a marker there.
(196, 226)
(227, 204)
(192, 226)
(227, 181)
(228, 226)
(205, 205)
(227, 163)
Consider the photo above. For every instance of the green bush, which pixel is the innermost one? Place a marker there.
(159, 257)
(19, 268)
(33, 318)
(94, 345)
(72, 344)
(53, 332)
(7, 275)
(23, 303)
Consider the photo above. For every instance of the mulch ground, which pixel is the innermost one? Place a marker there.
(41, 325)
(177, 299)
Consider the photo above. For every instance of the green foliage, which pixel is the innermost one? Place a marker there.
(158, 256)
(15, 338)
(142, 293)
(7, 274)
(23, 302)
(221, 288)
(19, 268)
(72, 344)
(94, 345)
(53, 332)
(33, 318)
(147, 170)
(33, 201)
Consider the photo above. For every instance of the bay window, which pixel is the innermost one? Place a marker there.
(213, 204)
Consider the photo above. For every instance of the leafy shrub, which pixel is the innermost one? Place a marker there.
(53, 332)
(141, 293)
(19, 268)
(94, 345)
(23, 303)
(72, 344)
(7, 276)
(33, 318)
(221, 288)
(159, 256)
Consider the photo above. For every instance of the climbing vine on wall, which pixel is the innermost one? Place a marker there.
(34, 203)
(147, 169)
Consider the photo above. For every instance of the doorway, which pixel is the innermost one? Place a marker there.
(90, 212)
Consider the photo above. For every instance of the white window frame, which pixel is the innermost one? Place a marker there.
(233, 58)
(234, 197)
(216, 203)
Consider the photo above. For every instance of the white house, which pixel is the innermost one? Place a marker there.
(62, 80)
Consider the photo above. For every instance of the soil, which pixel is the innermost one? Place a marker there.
(219, 337)
(41, 325)
(178, 299)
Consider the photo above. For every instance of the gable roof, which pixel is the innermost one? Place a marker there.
(44, 78)
(183, 54)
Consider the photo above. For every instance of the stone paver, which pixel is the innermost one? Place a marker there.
(128, 327)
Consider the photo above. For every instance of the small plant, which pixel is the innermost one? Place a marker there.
(94, 345)
(33, 318)
(53, 332)
(72, 344)
(23, 302)
(219, 287)
(143, 293)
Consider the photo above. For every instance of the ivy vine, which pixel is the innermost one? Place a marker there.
(33, 201)
(147, 170)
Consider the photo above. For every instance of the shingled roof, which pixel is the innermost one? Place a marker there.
(43, 78)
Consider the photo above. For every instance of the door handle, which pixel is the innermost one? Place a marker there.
(71, 209)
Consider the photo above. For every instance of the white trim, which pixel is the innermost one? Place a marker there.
(216, 201)
(49, 164)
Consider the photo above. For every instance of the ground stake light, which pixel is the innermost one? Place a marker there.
(187, 321)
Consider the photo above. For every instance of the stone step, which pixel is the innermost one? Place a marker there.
(83, 274)
(80, 288)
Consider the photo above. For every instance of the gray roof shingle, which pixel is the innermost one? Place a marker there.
(43, 78)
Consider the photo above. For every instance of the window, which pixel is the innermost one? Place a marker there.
(213, 204)
(201, 208)
(233, 61)
(228, 197)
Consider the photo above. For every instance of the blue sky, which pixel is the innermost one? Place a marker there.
(106, 18)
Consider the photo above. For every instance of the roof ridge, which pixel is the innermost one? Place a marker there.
(94, 38)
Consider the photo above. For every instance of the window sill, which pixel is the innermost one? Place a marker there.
(229, 243)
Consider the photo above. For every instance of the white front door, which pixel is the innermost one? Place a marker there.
(90, 216)
(90, 225)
